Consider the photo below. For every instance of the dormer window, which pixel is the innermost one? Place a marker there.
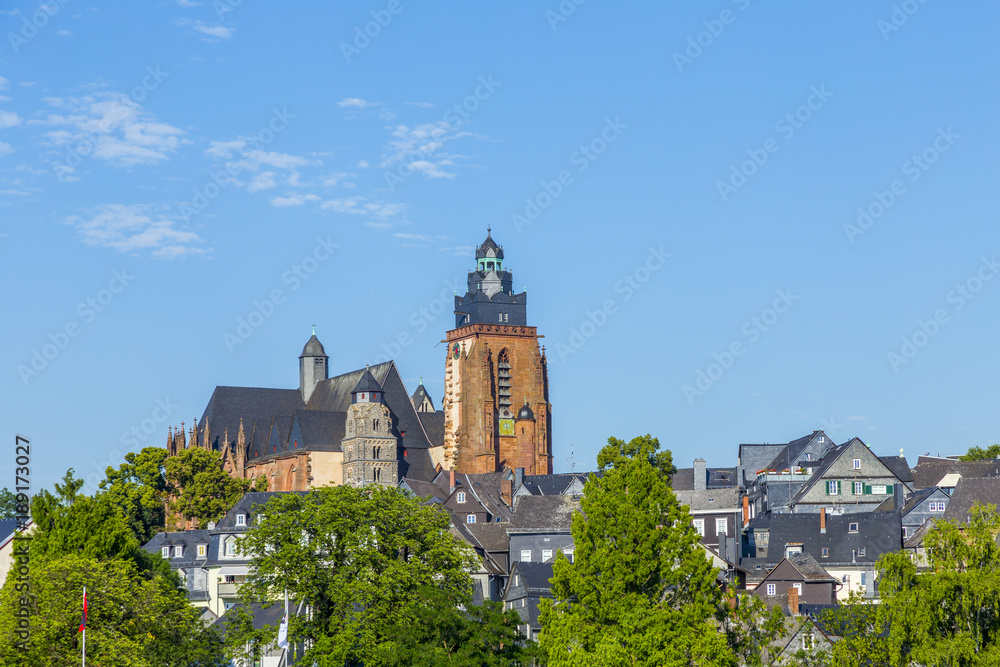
(202, 550)
(165, 552)
(178, 551)
(241, 519)
(460, 497)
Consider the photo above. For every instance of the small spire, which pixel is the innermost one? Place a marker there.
(314, 330)
(488, 230)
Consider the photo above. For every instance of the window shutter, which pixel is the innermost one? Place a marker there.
(889, 489)
(828, 488)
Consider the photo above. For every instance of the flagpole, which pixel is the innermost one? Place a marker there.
(84, 659)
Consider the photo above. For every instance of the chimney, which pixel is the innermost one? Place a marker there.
(451, 481)
(897, 494)
(507, 492)
(518, 477)
(822, 520)
(793, 600)
(211, 525)
(746, 510)
(700, 475)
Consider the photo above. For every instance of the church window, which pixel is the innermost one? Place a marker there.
(504, 381)
(376, 474)
(376, 452)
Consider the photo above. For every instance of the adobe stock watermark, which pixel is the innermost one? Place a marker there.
(581, 158)
(381, 19)
(87, 311)
(915, 167)
(85, 147)
(751, 331)
(901, 13)
(221, 179)
(629, 284)
(786, 126)
(263, 309)
(419, 320)
(456, 115)
(957, 298)
(31, 27)
(714, 28)
(562, 13)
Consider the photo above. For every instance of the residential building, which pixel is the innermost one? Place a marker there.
(801, 572)
(918, 507)
(772, 474)
(527, 585)
(971, 491)
(945, 472)
(9, 542)
(541, 526)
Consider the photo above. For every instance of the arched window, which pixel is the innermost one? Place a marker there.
(376, 474)
(376, 452)
(504, 373)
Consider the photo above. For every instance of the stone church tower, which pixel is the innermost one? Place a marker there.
(493, 360)
(368, 444)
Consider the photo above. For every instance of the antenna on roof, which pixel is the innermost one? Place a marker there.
(572, 461)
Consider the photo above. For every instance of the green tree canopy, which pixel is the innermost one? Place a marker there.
(980, 454)
(200, 489)
(133, 620)
(640, 590)
(138, 487)
(362, 559)
(946, 615)
(8, 504)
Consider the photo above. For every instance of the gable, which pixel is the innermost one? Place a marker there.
(784, 571)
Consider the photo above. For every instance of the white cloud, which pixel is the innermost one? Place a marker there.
(5, 149)
(357, 102)
(113, 128)
(188, 3)
(136, 229)
(219, 31)
(53, 101)
(293, 200)
(422, 105)
(421, 147)
(4, 83)
(412, 237)
(64, 33)
(223, 149)
(362, 164)
(10, 119)
(362, 206)
(262, 181)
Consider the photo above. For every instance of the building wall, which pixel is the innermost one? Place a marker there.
(327, 468)
(711, 535)
(916, 517)
(785, 575)
(852, 573)
(872, 472)
(536, 543)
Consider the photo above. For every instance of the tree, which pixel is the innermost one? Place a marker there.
(8, 504)
(640, 590)
(948, 615)
(980, 454)
(360, 559)
(751, 630)
(138, 487)
(434, 631)
(200, 489)
(133, 620)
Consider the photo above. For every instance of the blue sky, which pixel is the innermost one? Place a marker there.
(736, 222)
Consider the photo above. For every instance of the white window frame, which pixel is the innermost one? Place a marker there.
(875, 489)
(523, 552)
(229, 547)
(546, 554)
(859, 488)
(833, 487)
(471, 518)
(165, 552)
(722, 524)
(178, 551)
(772, 589)
(460, 497)
(568, 552)
(798, 587)
(857, 464)
(852, 527)
(241, 520)
(699, 526)
(202, 550)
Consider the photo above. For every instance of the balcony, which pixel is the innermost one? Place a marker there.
(228, 590)
(786, 475)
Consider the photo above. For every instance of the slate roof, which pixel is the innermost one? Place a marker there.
(543, 513)
(245, 505)
(419, 395)
(263, 616)
(492, 536)
(423, 489)
(7, 528)
(930, 471)
(253, 404)
(189, 539)
(789, 456)
(489, 248)
(969, 491)
(313, 348)
(710, 499)
(535, 576)
(899, 467)
(810, 568)
(716, 478)
(367, 383)
(753, 458)
(552, 485)
(317, 431)
(916, 540)
(433, 423)
(878, 532)
(486, 489)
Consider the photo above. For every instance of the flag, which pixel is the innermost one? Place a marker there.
(83, 623)
(283, 633)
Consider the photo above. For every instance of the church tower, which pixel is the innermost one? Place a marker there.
(313, 366)
(369, 445)
(492, 356)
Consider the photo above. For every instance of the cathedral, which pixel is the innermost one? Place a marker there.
(362, 427)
